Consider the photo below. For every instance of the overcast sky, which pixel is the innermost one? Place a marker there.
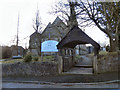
(9, 10)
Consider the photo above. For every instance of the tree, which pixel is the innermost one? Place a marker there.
(37, 25)
(111, 12)
(105, 16)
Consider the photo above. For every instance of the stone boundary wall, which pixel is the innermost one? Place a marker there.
(30, 69)
(109, 63)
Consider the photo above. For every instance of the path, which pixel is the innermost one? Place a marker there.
(83, 66)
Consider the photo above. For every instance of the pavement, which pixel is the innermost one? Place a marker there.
(106, 80)
(37, 84)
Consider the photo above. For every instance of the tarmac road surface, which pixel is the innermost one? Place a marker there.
(59, 85)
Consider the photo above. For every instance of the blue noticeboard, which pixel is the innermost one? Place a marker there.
(49, 46)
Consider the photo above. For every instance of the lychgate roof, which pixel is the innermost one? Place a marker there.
(74, 37)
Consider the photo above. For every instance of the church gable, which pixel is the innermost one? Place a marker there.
(47, 28)
(54, 30)
(59, 25)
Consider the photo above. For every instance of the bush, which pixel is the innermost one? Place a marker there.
(107, 48)
(36, 58)
(28, 58)
(77, 57)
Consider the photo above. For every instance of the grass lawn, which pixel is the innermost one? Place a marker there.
(100, 53)
(12, 61)
(103, 53)
(45, 59)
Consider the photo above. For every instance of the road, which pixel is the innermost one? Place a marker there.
(59, 85)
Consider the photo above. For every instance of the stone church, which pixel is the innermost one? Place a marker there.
(34, 43)
(53, 31)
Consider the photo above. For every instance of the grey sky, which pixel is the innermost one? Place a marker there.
(9, 10)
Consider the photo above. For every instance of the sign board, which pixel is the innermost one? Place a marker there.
(49, 46)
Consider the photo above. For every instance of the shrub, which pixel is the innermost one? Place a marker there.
(36, 58)
(28, 58)
(108, 48)
(77, 57)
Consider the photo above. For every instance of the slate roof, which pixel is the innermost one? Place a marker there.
(34, 34)
(74, 37)
(47, 27)
(57, 28)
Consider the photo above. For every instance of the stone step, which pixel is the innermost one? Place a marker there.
(76, 70)
(84, 66)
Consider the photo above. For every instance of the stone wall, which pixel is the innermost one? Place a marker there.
(68, 62)
(35, 43)
(30, 69)
(109, 63)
